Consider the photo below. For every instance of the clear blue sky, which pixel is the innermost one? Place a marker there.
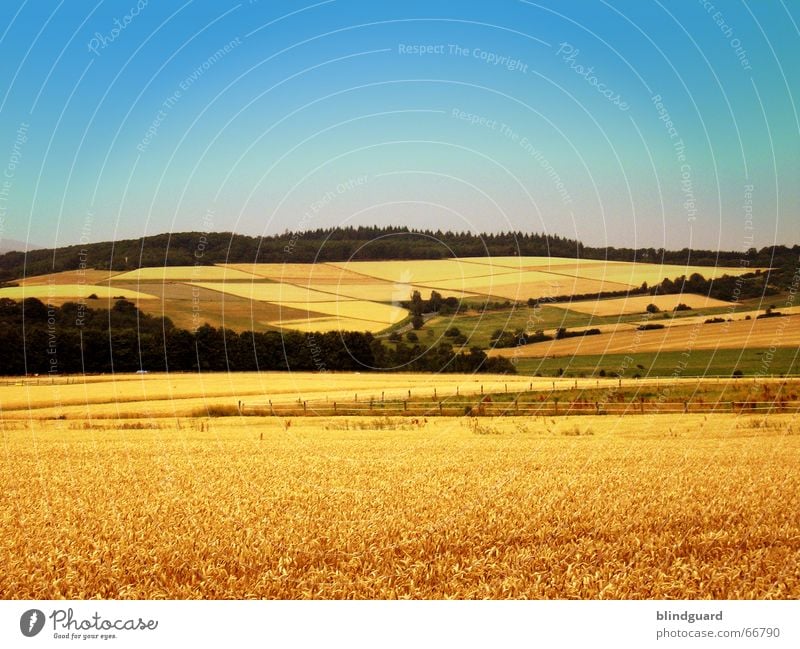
(125, 118)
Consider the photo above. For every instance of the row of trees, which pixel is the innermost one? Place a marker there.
(357, 243)
(43, 339)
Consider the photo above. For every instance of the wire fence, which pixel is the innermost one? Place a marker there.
(482, 408)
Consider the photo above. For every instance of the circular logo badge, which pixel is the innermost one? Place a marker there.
(31, 622)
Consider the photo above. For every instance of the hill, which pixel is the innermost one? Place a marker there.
(344, 244)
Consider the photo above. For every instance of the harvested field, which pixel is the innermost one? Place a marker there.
(639, 303)
(780, 332)
(86, 276)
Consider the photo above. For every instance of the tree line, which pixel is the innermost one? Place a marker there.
(38, 338)
(352, 243)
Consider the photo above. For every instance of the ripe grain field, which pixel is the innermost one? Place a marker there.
(687, 506)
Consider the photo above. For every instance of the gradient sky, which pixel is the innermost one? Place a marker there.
(317, 114)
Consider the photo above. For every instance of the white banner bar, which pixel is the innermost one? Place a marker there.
(371, 624)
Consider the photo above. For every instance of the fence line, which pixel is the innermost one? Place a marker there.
(514, 408)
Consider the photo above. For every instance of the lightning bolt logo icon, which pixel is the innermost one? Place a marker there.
(31, 622)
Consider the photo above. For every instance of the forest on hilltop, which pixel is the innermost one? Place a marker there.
(352, 243)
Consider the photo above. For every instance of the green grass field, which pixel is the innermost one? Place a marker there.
(700, 362)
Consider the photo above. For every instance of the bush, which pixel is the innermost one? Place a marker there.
(453, 332)
(649, 326)
(417, 321)
(682, 307)
(652, 308)
(737, 374)
(395, 337)
(412, 337)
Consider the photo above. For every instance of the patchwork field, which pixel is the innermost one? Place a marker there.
(671, 507)
(360, 294)
(419, 271)
(268, 291)
(632, 273)
(301, 274)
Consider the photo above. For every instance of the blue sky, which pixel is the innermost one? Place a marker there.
(618, 123)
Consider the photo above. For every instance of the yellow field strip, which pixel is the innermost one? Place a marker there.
(184, 273)
(639, 303)
(60, 291)
(167, 395)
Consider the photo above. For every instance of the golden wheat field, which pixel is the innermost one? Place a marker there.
(360, 507)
